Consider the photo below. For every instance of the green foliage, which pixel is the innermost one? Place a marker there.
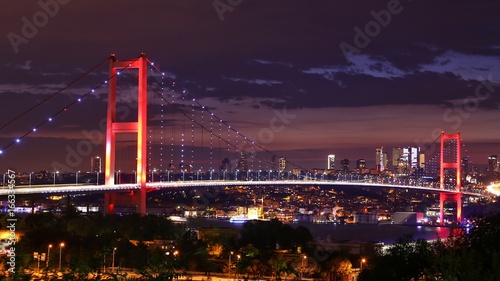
(462, 256)
(274, 235)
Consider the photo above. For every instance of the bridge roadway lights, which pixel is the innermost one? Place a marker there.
(457, 197)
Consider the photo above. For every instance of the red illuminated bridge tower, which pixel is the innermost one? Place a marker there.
(140, 127)
(448, 165)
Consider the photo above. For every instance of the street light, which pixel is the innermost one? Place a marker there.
(48, 255)
(362, 261)
(113, 263)
(237, 265)
(61, 245)
(56, 172)
(304, 257)
(229, 265)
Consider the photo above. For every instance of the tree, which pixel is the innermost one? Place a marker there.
(338, 268)
(407, 259)
(277, 264)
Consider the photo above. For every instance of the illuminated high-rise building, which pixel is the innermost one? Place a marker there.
(465, 166)
(493, 163)
(331, 162)
(344, 165)
(421, 163)
(380, 159)
(273, 162)
(242, 163)
(96, 164)
(361, 164)
(282, 164)
(397, 159)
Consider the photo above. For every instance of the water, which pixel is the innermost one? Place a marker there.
(387, 234)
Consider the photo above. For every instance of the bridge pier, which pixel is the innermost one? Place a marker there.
(109, 203)
(136, 197)
(457, 197)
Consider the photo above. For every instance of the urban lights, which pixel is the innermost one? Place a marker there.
(48, 255)
(113, 261)
(61, 245)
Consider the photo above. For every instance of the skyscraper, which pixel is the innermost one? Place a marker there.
(95, 164)
(242, 163)
(282, 164)
(465, 166)
(331, 162)
(361, 164)
(493, 163)
(421, 163)
(397, 161)
(344, 165)
(273, 162)
(380, 159)
(410, 159)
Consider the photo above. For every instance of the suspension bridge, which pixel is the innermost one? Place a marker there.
(185, 144)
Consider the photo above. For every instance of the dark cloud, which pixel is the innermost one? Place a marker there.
(262, 55)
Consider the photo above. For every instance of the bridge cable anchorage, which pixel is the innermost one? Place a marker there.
(63, 109)
(212, 114)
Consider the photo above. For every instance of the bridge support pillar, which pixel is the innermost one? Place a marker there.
(114, 126)
(457, 197)
(109, 203)
(454, 164)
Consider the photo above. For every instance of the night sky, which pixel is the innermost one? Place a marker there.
(350, 75)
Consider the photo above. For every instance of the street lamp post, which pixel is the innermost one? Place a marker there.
(229, 265)
(239, 258)
(30, 180)
(304, 257)
(56, 172)
(362, 261)
(113, 262)
(61, 245)
(48, 255)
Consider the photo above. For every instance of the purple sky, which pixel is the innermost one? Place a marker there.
(421, 71)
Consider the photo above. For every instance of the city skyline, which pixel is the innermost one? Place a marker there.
(349, 77)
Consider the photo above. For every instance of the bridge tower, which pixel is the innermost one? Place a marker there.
(453, 164)
(114, 127)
